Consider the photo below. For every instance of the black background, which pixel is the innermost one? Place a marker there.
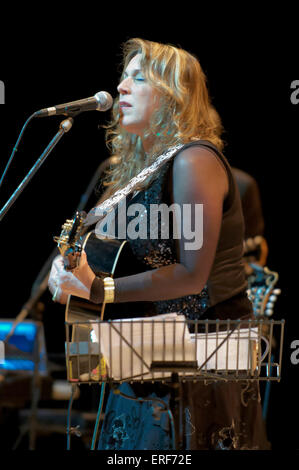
(250, 62)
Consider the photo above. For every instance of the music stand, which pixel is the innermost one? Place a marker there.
(170, 347)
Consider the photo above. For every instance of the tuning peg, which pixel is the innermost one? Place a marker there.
(277, 291)
(250, 244)
(273, 298)
(61, 239)
(270, 305)
(269, 312)
(258, 239)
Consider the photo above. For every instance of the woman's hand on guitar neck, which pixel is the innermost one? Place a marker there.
(76, 282)
(82, 270)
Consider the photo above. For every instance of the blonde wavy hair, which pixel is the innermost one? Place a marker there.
(185, 113)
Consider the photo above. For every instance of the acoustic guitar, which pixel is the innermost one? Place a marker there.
(107, 258)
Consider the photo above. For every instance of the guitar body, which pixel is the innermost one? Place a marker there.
(106, 257)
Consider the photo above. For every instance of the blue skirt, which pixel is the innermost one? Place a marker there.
(204, 416)
(137, 425)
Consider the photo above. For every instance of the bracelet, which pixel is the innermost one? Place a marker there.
(109, 289)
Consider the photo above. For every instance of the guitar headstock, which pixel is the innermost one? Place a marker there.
(261, 292)
(70, 236)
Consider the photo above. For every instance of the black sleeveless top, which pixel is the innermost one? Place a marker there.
(224, 295)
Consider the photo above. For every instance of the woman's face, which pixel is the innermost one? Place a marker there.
(137, 99)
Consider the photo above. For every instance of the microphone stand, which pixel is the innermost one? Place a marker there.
(41, 283)
(64, 127)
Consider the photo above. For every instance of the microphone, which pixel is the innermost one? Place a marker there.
(101, 101)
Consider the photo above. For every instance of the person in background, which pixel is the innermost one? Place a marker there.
(256, 247)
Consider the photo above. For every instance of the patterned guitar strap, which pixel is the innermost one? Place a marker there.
(99, 212)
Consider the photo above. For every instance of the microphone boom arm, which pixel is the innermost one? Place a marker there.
(64, 127)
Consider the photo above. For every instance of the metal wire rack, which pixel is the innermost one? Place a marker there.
(151, 349)
(166, 346)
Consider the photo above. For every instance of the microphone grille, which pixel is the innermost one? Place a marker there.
(104, 100)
